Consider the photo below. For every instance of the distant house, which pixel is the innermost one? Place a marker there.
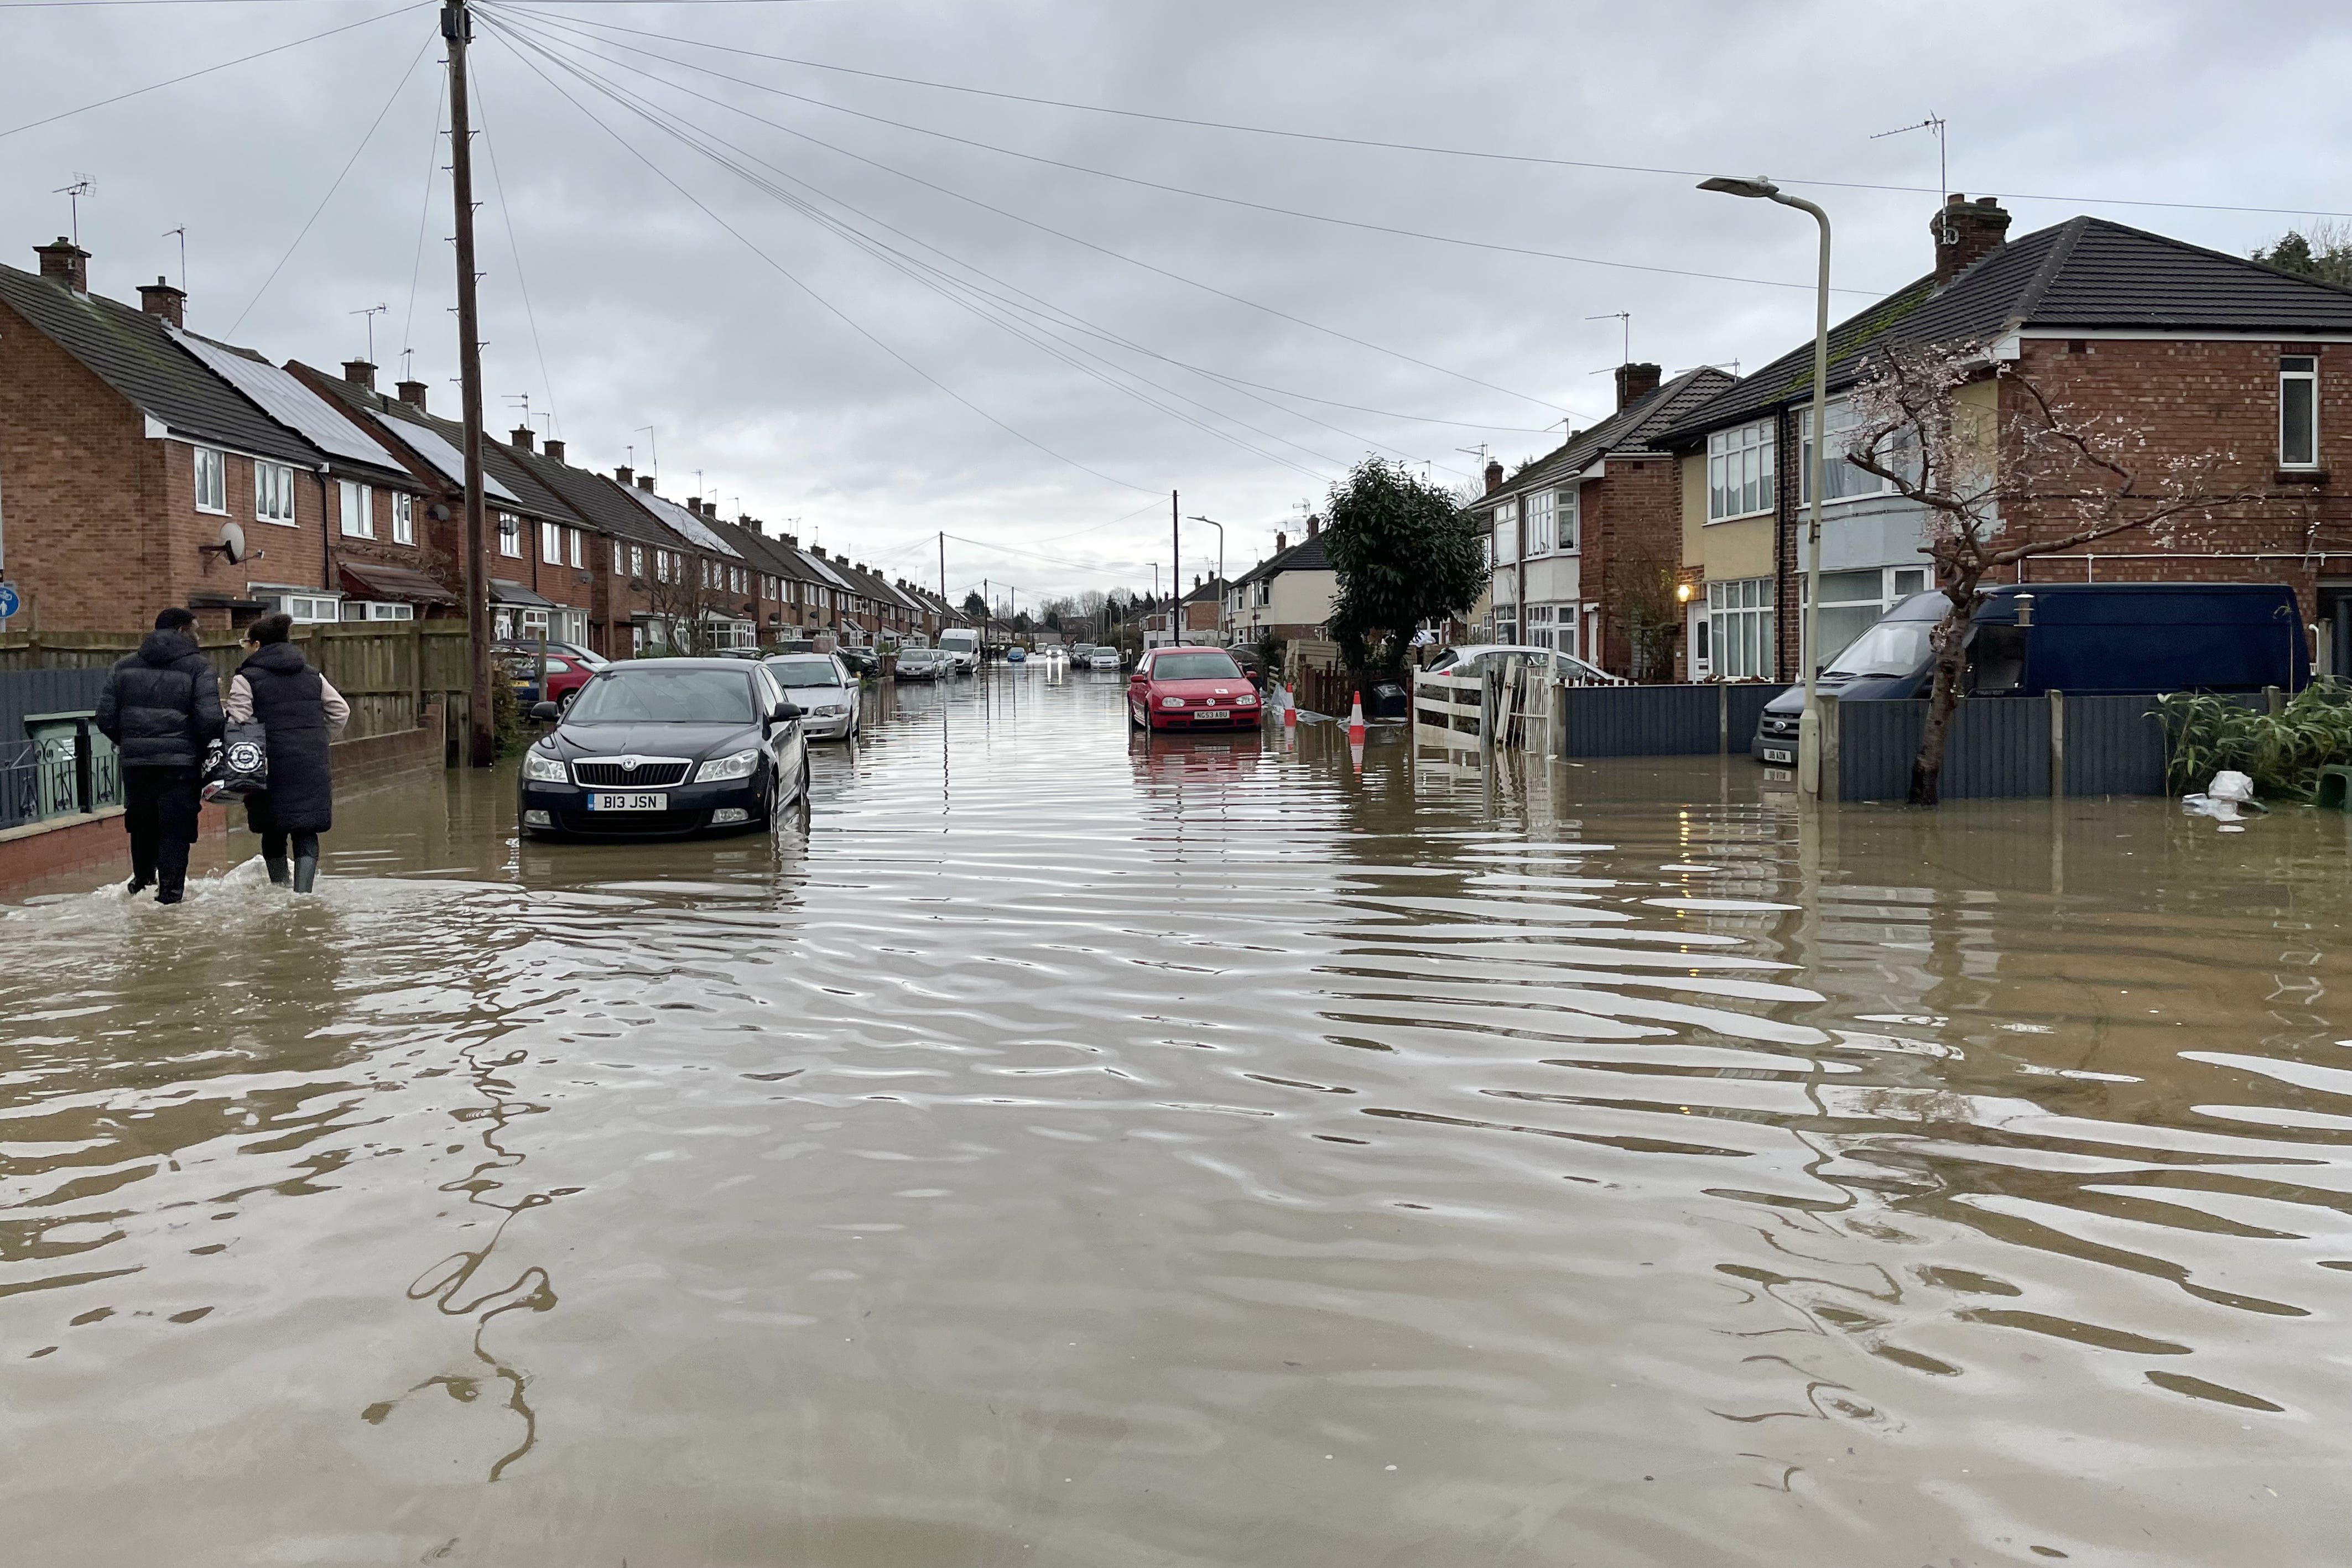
(2198, 351)
(1585, 543)
(1289, 594)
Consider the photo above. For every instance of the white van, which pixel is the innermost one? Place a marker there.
(961, 645)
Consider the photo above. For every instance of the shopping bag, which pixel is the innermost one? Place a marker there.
(243, 768)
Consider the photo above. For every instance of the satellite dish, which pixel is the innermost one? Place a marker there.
(231, 546)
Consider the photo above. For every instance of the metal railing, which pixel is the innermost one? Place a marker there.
(64, 768)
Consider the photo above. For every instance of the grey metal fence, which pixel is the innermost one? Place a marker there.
(1660, 721)
(2114, 746)
(25, 692)
(1997, 749)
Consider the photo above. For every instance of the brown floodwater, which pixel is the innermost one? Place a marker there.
(1074, 1151)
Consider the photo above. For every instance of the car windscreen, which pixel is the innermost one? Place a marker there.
(804, 672)
(649, 695)
(1889, 648)
(1194, 668)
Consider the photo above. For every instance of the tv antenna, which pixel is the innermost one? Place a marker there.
(1626, 317)
(372, 312)
(183, 232)
(83, 186)
(652, 446)
(1933, 122)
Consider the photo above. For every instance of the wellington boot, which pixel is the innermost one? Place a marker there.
(171, 871)
(277, 872)
(306, 872)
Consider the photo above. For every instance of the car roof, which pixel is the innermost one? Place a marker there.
(659, 665)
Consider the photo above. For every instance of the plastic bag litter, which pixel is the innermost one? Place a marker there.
(2223, 798)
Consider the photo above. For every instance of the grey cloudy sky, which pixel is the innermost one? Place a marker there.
(1054, 302)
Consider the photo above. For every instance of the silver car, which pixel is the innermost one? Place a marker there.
(1104, 657)
(824, 690)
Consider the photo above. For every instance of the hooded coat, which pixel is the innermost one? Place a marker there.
(161, 705)
(289, 702)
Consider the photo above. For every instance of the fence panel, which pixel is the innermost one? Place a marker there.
(2115, 745)
(1999, 748)
(1440, 703)
(1744, 709)
(1877, 741)
(25, 692)
(1643, 721)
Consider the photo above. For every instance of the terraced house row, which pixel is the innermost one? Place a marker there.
(1667, 541)
(143, 464)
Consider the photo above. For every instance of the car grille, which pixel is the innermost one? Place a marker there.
(644, 776)
(627, 824)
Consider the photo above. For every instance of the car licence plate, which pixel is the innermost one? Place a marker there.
(628, 802)
(1772, 756)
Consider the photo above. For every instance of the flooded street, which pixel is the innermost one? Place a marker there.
(1079, 1152)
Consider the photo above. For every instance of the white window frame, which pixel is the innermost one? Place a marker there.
(273, 493)
(404, 517)
(1741, 634)
(355, 506)
(306, 609)
(1740, 472)
(577, 547)
(1569, 519)
(211, 474)
(1504, 526)
(1841, 480)
(2299, 370)
(1538, 511)
(637, 560)
(510, 535)
(551, 543)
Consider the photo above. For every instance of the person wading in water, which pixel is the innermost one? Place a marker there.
(299, 711)
(162, 708)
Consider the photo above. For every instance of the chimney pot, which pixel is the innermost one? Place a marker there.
(360, 373)
(621, 474)
(523, 439)
(1493, 476)
(1635, 382)
(1314, 525)
(555, 448)
(1281, 542)
(160, 298)
(412, 394)
(65, 262)
(1966, 233)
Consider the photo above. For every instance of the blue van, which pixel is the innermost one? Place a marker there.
(2089, 639)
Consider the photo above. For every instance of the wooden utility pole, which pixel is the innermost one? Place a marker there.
(1175, 571)
(456, 31)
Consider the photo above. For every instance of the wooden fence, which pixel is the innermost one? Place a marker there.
(391, 673)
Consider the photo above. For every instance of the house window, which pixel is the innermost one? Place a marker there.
(1739, 471)
(578, 544)
(307, 608)
(1841, 480)
(404, 517)
(511, 535)
(212, 480)
(1853, 602)
(550, 543)
(637, 560)
(1540, 519)
(2299, 412)
(358, 511)
(273, 493)
(1571, 520)
(377, 610)
(1506, 524)
(1739, 627)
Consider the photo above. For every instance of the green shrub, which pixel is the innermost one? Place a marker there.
(514, 731)
(2282, 752)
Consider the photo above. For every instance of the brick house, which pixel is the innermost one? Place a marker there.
(1289, 594)
(621, 553)
(1585, 542)
(2201, 352)
(127, 443)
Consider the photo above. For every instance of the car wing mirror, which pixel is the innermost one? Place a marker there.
(785, 711)
(546, 713)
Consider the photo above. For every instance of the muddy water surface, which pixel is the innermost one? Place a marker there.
(1075, 1152)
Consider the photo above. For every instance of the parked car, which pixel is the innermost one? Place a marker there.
(572, 650)
(824, 686)
(566, 676)
(2085, 639)
(1079, 653)
(923, 664)
(1475, 658)
(1189, 688)
(1106, 657)
(859, 661)
(667, 747)
(961, 643)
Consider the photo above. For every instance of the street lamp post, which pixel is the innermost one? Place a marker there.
(1221, 566)
(1809, 725)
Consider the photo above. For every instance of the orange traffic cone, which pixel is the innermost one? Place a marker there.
(1355, 722)
(1289, 709)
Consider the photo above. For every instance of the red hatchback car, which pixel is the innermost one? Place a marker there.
(1191, 688)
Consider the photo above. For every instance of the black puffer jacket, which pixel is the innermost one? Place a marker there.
(161, 705)
(288, 700)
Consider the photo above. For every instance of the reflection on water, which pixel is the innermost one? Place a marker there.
(1082, 1147)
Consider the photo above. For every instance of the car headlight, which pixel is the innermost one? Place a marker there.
(1171, 702)
(830, 710)
(1245, 699)
(739, 765)
(537, 767)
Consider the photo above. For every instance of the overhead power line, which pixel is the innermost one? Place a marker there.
(207, 70)
(1429, 148)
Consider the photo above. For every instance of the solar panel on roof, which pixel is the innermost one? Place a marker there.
(429, 445)
(286, 400)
